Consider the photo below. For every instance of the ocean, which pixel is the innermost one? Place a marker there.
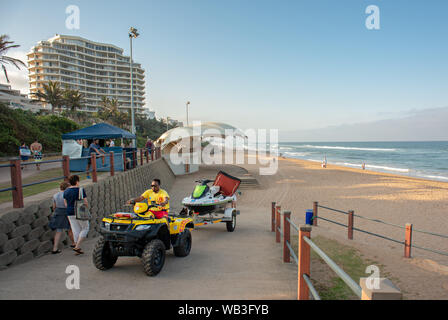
(428, 160)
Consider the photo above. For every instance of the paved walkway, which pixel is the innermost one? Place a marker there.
(245, 264)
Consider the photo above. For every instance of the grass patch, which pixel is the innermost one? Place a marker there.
(38, 188)
(326, 281)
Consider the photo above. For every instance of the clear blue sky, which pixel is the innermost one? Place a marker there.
(266, 64)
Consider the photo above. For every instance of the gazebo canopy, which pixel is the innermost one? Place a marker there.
(99, 131)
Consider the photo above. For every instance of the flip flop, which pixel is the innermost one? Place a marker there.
(56, 252)
(78, 251)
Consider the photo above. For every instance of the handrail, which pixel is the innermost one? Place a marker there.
(332, 209)
(311, 287)
(341, 273)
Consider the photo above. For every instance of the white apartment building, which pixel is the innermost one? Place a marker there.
(95, 69)
(16, 100)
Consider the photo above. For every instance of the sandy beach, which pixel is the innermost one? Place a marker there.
(392, 198)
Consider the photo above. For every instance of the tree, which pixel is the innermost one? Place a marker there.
(73, 99)
(5, 45)
(52, 94)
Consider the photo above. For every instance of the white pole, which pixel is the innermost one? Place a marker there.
(132, 97)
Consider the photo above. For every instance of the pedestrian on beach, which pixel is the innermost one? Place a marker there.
(59, 220)
(94, 148)
(363, 166)
(24, 152)
(36, 149)
(80, 228)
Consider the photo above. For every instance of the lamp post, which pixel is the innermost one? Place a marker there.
(167, 123)
(188, 102)
(132, 34)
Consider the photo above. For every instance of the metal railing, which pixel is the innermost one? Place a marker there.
(303, 259)
(408, 227)
(16, 171)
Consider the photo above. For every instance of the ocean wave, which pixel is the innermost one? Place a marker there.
(296, 154)
(387, 168)
(346, 148)
(432, 177)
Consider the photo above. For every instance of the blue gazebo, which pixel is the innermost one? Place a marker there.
(97, 131)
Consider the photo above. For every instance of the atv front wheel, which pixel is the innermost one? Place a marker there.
(153, 257)
(231, 224)
(102, 256)
(184, 247)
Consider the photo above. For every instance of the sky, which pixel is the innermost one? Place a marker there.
(297, 66)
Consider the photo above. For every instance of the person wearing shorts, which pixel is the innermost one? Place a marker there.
(159, 196)
(59, 220)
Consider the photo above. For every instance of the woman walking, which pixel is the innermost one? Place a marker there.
(59, 220)
(80, 228)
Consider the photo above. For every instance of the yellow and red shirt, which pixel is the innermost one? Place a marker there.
(158, 197)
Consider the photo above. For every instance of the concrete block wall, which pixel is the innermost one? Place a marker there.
(25, 235)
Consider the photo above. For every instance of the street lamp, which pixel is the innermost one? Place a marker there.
(167, 123)
(132, 34)
(188, 102)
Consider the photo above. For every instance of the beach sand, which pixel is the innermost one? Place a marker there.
(392, 198)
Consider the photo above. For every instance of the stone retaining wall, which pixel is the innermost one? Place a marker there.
(24, 233)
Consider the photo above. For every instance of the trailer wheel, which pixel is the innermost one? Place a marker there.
(153, 257)
(183, 249)
(231, 224)
(102, 256)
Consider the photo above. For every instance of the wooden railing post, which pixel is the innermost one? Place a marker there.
(111, 163)
(273, 217)
(152, 154)
(286, 236)
(16, 182)
(277, 224)
(124, 160)
(408, 241)
(94, 177)
(383, 289)
(304, 263)
(350, 224)
(147, 155)
(134, 155)
(315, 213)
(141, 157)
(66, 167)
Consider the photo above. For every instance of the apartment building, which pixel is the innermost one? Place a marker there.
(95, 69)
(17, 100)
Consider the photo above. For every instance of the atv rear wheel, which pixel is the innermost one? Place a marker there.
(102, 256)
(231, 225)
(184, 247)
(153, 257)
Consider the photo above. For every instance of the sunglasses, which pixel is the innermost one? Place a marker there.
(154, 185)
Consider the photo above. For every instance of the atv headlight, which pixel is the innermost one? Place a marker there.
(143, 227)
(107, 225)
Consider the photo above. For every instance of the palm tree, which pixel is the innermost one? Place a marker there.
(73, 99)
(52, 94)
(5, 45)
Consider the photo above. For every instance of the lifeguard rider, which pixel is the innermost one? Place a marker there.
(159, 196)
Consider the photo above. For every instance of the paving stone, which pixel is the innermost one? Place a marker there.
(29, 246)
(12, 244)
(7, 257)
(3, 238)
(25, 218)
(32, 209)
(35, 233)
(47, 203)
(23, 258)
(43, 248)
(10, 217)
(47, 235)
(20, 231)
(42, 221)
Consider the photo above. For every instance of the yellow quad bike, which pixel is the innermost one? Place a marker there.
(141, 234)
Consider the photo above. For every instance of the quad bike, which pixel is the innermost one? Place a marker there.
(141, 234)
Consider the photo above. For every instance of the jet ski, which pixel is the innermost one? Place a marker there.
(215, 198)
